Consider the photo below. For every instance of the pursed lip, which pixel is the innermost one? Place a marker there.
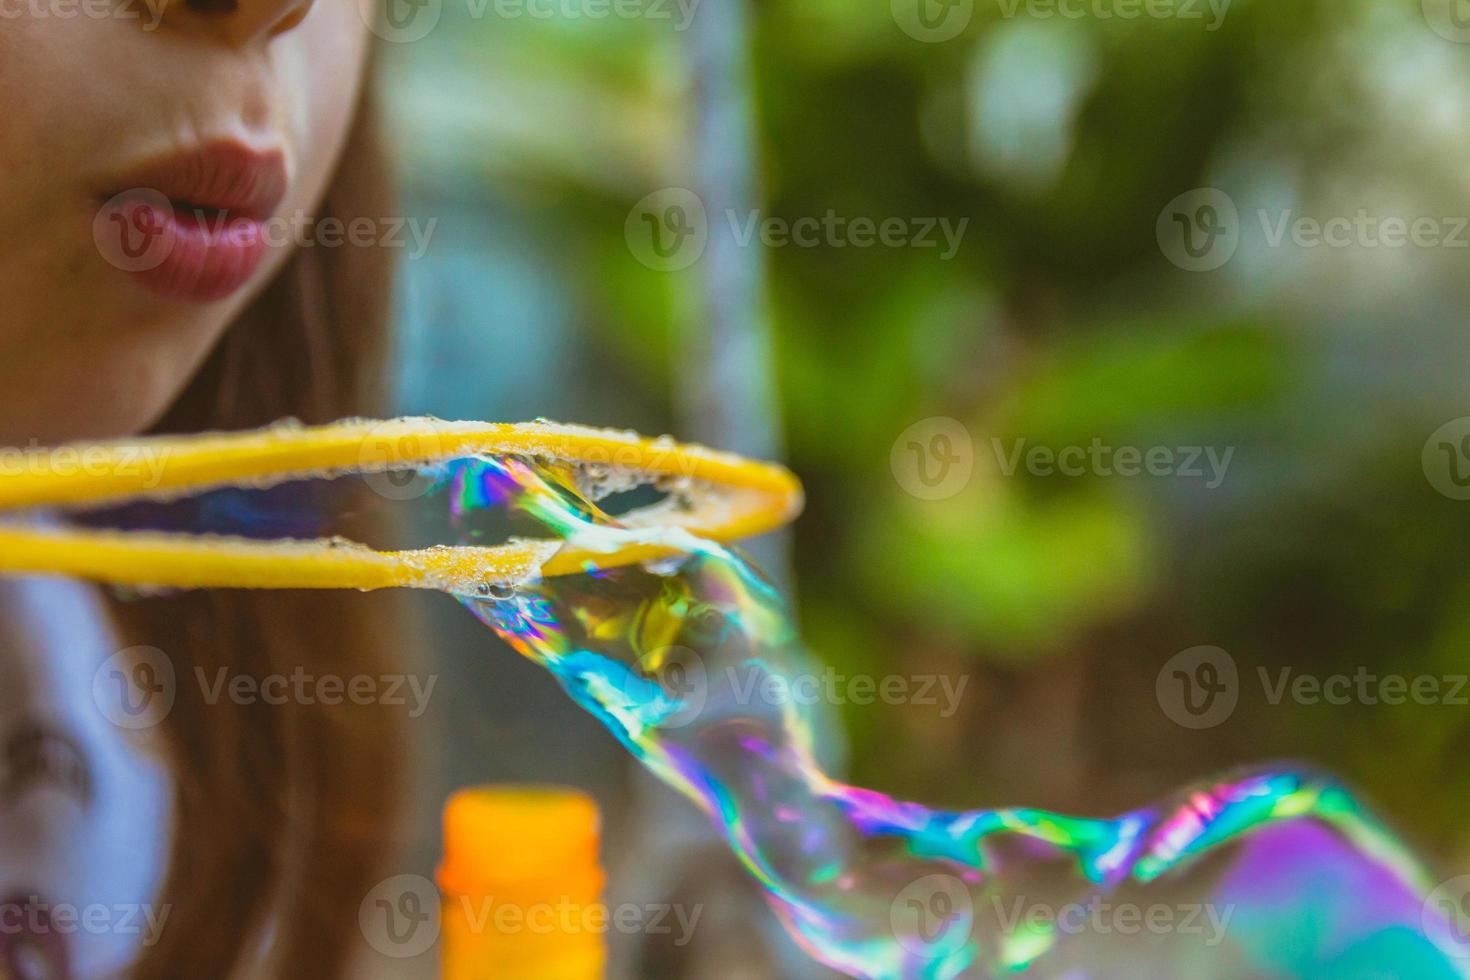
(192, 225)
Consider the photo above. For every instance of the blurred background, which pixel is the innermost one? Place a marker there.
(1095, 338)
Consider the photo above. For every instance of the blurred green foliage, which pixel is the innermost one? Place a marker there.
(1060, 321)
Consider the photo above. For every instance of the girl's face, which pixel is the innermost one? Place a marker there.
(161, 158)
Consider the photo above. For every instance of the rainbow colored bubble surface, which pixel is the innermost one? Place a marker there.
(1262, 874)
(692, 662)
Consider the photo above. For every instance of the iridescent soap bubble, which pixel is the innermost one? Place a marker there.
(1272, 873)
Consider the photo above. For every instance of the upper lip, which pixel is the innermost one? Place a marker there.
(222, 176)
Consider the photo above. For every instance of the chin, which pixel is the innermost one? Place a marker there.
(64, 424)
(111, 403)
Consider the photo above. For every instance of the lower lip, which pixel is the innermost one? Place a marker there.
(178, 252)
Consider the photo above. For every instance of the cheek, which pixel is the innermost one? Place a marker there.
(44, 143)
(322, 65)
(61, 299)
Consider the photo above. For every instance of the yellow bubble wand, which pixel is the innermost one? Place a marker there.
(728, 498)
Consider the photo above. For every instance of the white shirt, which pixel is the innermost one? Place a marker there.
(85, 801)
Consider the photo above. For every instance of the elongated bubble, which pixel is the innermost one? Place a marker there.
(688, 656)
(691, 661)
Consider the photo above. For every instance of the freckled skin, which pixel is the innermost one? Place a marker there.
(85, 350)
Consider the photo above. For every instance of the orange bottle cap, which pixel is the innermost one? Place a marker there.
(536, 842)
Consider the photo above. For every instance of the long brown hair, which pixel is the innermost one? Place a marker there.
(284, 813)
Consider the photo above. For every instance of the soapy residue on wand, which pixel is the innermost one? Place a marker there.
(1268, 873)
